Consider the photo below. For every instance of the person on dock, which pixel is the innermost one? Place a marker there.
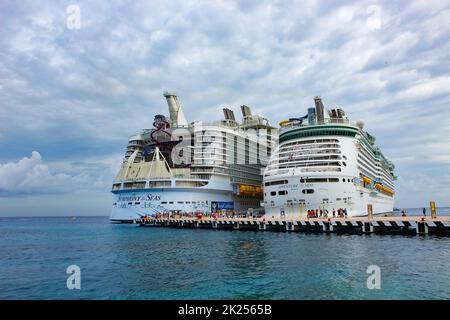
(424, 211)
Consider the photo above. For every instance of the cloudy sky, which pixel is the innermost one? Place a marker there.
(70, 97)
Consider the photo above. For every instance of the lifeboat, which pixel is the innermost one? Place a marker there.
(367, 180)
(384, 189)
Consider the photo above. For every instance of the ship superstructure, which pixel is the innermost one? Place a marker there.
(325, 165)
(193, 167)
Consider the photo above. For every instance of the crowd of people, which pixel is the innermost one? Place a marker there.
(324, 213)
(198, 215)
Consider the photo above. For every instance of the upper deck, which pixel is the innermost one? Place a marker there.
(332, 127)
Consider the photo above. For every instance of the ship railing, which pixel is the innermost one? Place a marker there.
(293, 125)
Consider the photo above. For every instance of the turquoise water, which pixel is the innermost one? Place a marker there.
(128, 262)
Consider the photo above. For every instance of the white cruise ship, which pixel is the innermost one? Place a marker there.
(323, 163)
(193, 167)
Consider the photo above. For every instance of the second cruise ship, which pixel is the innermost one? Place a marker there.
(193, 167)
(326, 164)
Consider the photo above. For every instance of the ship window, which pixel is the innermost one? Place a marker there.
(344, 163)
(345, 158)
(309, 190)
(273, 193)
(130, 203)
(163, 202)
(282, 193)
(338, 199)
(188, 202)
(277, 182)
(302, 180)
(343, 180)
(313, 180)
(170, 202)
(333, 179)
(137, 203)
(180, 202)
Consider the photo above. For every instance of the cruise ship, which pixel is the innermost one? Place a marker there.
(193, 167)
(325, 164)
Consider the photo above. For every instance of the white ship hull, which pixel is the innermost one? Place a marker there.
(356, 200)
(130, 205)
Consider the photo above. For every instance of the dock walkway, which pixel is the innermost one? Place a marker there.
(360, 225)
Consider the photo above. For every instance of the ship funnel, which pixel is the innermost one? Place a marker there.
(229, 114)
(319, 110)
(176, 113)
(246, 111)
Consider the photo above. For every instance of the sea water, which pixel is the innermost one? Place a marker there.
(129, 262)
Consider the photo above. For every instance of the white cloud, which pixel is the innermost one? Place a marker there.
(31, 175)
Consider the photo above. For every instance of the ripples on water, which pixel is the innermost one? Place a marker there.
(128, 262)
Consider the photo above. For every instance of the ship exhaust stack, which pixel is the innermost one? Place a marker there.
(229, 114)
(319, 110)
(246, 111)
(176, 113)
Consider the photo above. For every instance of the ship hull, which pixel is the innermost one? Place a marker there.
(130, 205)
(349, 196)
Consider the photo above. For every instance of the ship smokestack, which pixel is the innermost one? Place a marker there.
(176, 113)
(319, 110)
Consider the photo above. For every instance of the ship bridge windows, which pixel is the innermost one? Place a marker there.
(321, 169)
(274, 183)
(304, 164)
(318, 180)
(116, 186)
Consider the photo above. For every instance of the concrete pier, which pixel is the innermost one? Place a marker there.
(359, 225)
